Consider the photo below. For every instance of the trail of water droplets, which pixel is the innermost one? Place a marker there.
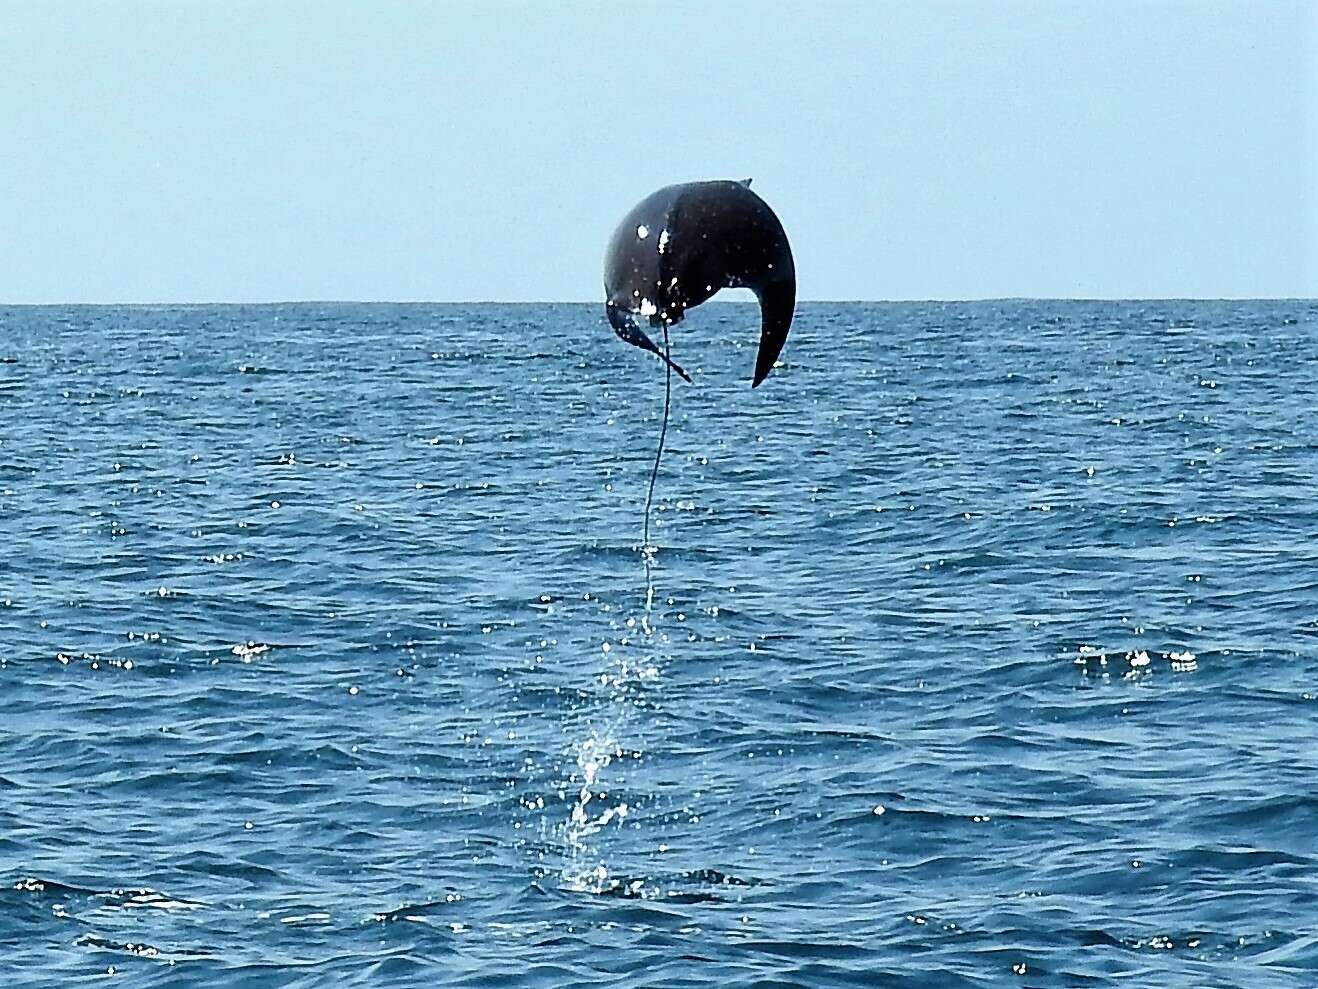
(593, 754)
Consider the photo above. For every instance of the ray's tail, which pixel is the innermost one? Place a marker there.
(648, 551)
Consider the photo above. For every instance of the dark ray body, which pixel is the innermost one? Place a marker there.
(680, 245)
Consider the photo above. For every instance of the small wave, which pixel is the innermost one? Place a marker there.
(126, 898)
(1136, 661)
(141, 949)
(417, 913)
(693, 886)
(1283, 810)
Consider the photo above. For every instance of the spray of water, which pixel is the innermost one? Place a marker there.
(582, 871)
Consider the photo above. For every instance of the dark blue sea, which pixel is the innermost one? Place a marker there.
(983, 648)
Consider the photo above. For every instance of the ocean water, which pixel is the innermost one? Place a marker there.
(983, 652)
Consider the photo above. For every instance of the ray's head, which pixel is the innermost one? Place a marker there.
(636, 268)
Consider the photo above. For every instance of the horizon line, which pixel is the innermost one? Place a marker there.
(593, 302)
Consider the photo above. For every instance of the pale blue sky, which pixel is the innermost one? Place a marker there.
(434, 151)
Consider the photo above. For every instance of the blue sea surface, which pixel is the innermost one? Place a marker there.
(983, 652)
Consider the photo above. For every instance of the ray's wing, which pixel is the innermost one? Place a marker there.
(777, 302)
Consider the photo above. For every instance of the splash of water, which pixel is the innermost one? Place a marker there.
(582, 871)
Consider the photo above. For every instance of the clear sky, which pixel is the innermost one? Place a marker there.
(226, 151)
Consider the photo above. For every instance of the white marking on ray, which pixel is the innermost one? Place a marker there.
(642, 231)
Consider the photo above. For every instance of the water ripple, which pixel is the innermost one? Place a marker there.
(982, 649)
